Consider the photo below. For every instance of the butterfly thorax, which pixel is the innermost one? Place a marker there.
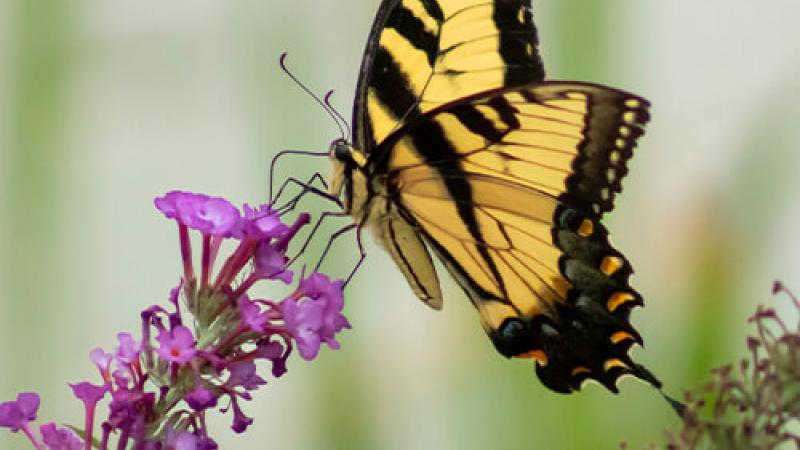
(349, 179)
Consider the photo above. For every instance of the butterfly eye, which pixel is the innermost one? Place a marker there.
(340, 151)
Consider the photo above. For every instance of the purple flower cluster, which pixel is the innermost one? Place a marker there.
(754, 404)
(17, 415)
(202, 350)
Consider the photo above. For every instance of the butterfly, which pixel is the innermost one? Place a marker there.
(463, 150)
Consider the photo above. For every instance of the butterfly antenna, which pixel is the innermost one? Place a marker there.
(327, 100)
(297, 81)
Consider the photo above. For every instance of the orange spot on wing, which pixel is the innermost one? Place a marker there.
(579, 370)
(619, 298)
(610, 265)
(620, 336)
(586, 229)
(537, 355)
(611, 363)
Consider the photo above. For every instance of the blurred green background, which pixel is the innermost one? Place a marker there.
(107, 104)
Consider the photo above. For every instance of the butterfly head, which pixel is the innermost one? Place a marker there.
(346, 161)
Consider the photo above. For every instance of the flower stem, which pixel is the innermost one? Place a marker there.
(206, 262)
(186, 256)
(235, 262)
(29, 433)
(225, 342)
(88, 426)
(106, 433)
(247, 284)
(122, 444)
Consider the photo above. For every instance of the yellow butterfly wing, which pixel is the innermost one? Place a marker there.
(422, 54)
(462, 147)
(508, 188)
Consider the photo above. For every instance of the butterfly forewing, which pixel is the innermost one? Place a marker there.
(426, 53)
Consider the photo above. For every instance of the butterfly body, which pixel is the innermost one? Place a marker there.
(463, 151)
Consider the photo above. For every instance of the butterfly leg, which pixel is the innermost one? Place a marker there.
(313, 232)
(333, 238)
(361, 256)
(307, 187)
(291, 180)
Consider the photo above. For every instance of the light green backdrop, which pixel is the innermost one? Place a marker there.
(106, 104)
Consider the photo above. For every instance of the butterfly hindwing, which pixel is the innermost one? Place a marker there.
(508, 188)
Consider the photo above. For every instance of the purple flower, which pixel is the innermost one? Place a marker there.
(103, 361)
(16, 414)
(304, 320)
(60, 438)
(175, 292)
(201, 398)
(216, 216)
(130, 410)
(206, 443)
(273, 351)
(209, 215)
(244, 374)
(261, 223)
(316, 317)
(122, 377)
(279, 365)
(270, 263)
(240, 420)
(320, 288)
(177, 345)
(182, 440)
(168, 204)
(88, 393)
(251, 315)
(269, 350)
(129, 349)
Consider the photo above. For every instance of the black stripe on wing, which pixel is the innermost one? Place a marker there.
(393, 89)
(433, 9)
(478, 123)
(430, 140)
(413, 29)
(519, 42)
